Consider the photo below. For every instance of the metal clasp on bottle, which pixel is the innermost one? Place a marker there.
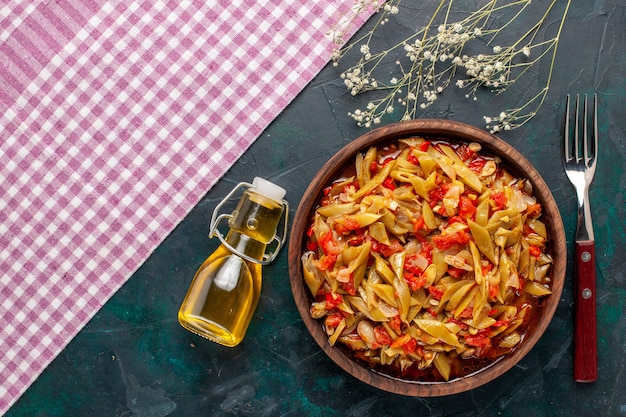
(278, 240)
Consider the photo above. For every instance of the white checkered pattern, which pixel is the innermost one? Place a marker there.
(114, 121)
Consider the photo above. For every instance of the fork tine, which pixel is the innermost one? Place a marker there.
(576, 149)
(595, 130)
(585, 150)
(566, 144)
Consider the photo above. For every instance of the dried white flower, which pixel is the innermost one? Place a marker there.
(435, 61)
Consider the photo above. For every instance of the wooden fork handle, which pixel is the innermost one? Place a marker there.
(585, 345)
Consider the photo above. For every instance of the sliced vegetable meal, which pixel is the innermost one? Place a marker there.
(427, 259)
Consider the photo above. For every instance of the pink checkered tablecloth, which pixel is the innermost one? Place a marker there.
(115, 119)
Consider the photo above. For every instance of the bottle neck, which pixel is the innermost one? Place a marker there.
(245, 244)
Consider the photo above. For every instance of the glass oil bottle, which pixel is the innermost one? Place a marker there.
(224, 293)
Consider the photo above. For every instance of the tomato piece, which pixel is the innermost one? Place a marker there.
(419, 224)
(424, 146)
(329, 245)
(389, 183)
(312, 246)
(494, 290)
(479, 340)
(341, 229)
(412, 265)
(412, 158)
(467, 313)
(427, 251)
(326, 262)
(464, 152)
(350, 223)
(467, 207)
(332, 300)
(456, 219)
(333, 319)
(438, 193)
(535, 251)
(415, 282)
(395, 323)
(382, 335)
(528, 230)
(534, 210)
(447, 241)
(499, 323)
(436, 292)
(499, 198)
(477, 164)
(387, 250)
(410, 346)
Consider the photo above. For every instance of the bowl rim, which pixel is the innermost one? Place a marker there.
(446, 130)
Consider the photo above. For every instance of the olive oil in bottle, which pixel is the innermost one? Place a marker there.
(225, 291)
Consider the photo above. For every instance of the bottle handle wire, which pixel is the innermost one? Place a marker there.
(216, 218)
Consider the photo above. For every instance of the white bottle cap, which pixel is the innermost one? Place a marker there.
(269, 189)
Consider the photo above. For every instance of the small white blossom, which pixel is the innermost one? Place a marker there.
(391, 9)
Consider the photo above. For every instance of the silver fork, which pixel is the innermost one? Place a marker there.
(579, 161)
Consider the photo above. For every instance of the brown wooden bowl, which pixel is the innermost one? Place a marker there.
(452, 132)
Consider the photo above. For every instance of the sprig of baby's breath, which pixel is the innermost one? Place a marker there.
(437, 56)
